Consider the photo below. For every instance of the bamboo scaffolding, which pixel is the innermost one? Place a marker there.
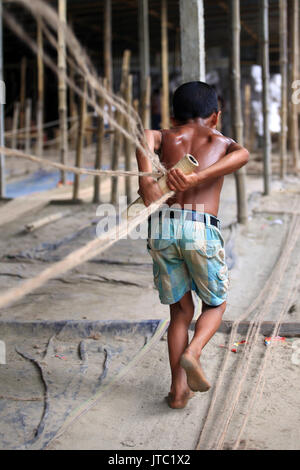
(99, 149)
(165, 108)
(237, 119)
(284, 84)
(62, 87)
(80, 139)
(295, 76)
(118, 138)
(264, 12)
(40, 97)
(128, 145)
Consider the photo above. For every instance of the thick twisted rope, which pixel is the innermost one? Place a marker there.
(77, 257)
(78, 171)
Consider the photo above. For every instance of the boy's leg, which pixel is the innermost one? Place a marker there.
(181, 316)
(206, 326)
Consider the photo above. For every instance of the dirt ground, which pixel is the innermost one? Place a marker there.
(118, 285)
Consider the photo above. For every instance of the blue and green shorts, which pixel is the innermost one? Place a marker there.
(187, 255)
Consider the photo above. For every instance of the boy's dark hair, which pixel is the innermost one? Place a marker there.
(194, 99)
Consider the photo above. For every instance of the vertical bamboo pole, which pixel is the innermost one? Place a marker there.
(23, 91)
(128, 145)
(295, 76)
(2, 102)
(165, 66)
(15, 125)
(108, 66)
(237, 119)
(144, 52)
(118, 138)
(78, 163)
(40, 97)
(264, 11)
(146, 105)
(247, 114)
(284, 85)
(28, 111)
(99, 148)
(73, 111)
(62, 88)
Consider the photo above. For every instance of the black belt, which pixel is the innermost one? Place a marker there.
(193, 216)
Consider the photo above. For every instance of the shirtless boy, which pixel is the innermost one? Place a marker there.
(185, 242)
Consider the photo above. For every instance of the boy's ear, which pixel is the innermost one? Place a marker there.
(215, 117)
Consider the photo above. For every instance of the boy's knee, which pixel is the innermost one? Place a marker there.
(221, 308)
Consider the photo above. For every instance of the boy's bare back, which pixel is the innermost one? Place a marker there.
(208, 146)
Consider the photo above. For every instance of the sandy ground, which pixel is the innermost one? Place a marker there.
(118, 285)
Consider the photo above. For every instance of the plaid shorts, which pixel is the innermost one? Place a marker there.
(187, 255)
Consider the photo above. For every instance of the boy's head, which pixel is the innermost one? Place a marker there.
(194, 100)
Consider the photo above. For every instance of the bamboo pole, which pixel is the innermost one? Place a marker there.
(295, 76)
(40, 97)
(146, 105)
(264, 11)
(62, 87)
(144, 46)
(108, 67)
(16, 117)
(284, 84)
(73, 111)
(128, 145)
(2, 102)
(165, 108)
(28, 112)
(118, 138)
(237, 119)
(247, 115)
(80, 139)
(23, 91)
(99, 148)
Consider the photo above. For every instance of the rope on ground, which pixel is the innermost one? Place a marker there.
(72, 169)
(260, 381)
(267, 289)
(77, 257)
(253, 336)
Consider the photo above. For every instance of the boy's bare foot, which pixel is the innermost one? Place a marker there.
(195, 376)
(179, 403)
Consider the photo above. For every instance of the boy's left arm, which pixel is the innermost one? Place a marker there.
(236, 157)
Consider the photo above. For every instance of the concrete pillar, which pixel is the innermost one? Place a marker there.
(2, 102)
(192, 40)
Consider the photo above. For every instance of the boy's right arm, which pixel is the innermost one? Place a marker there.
(149, 189)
